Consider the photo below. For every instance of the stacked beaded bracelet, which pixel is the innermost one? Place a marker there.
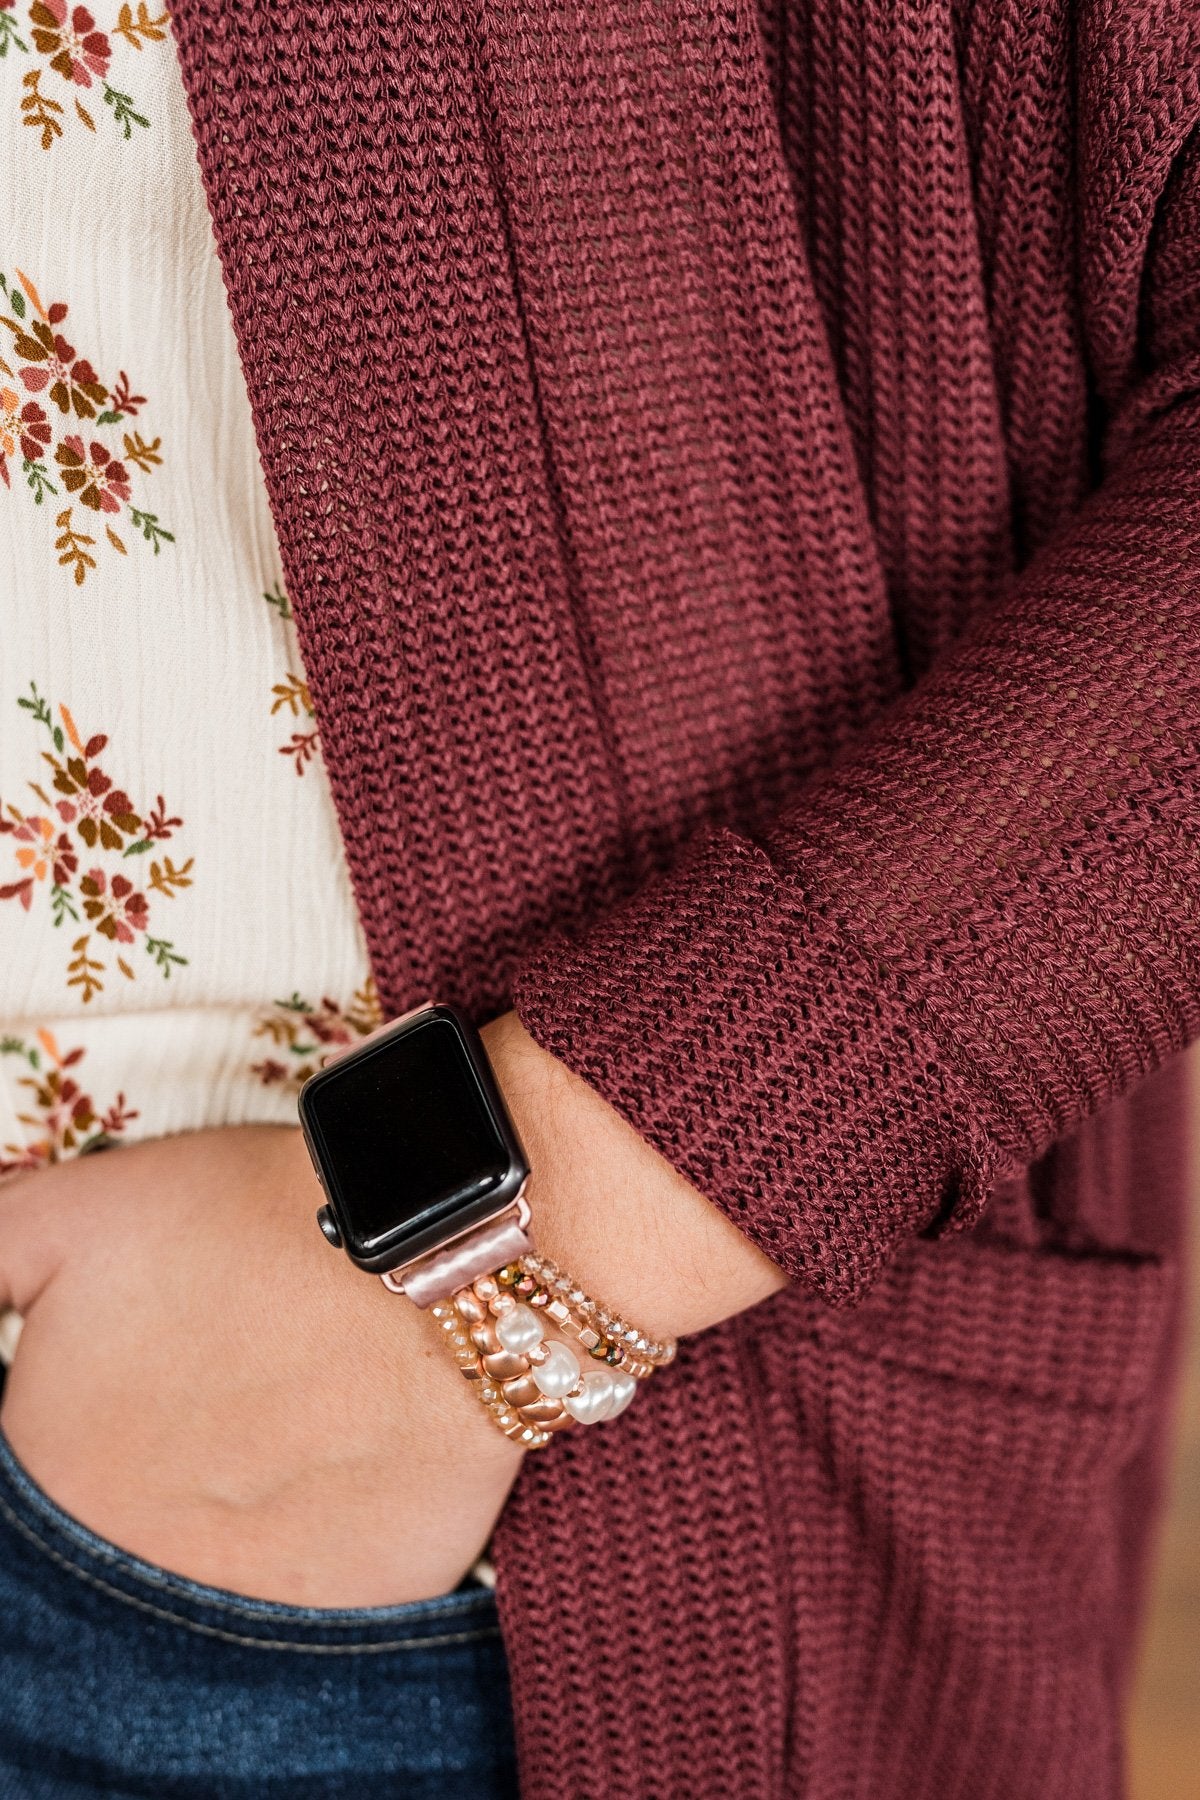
(531, 1385)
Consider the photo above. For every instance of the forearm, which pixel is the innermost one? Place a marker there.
(614, 1212)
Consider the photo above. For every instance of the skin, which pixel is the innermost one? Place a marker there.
(204, 1382)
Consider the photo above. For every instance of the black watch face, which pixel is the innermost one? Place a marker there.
(411, 1138)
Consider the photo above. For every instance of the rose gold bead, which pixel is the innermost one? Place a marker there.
(537, 1354)
(484, 1337)
(487, 1287)
(521, 1390)
(542, 1411)
(500, 1305)
(503, 1365)
(469, 1307)
(559, 1311)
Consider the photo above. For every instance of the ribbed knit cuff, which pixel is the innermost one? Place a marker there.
(769, 1061)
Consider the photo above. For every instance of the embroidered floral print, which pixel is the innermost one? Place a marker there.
(292, 695)
(62, 1120)
(82, 468)
(301, 1034)
(64, 44)
(66, 850)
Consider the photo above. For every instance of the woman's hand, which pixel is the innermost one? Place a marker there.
(202, 1380)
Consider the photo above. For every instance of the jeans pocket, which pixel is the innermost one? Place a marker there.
(124, 1679)
(47, 1529)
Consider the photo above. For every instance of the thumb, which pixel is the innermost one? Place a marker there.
(32, 1242)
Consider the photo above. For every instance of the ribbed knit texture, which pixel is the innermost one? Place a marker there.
(738, 479)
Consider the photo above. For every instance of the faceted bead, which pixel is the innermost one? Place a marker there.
(559, 1373)
(519, 1330)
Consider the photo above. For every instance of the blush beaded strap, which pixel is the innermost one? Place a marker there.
(532, 1384)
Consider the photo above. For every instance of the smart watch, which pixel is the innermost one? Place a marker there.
(423, 1171)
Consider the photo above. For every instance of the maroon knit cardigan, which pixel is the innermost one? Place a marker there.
(738, 478)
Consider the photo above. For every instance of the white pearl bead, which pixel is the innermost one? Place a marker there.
(595, 1401)
(519, 1330)
(624, 1388)
(558, 1374)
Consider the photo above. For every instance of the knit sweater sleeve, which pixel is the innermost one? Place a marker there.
(976, 928)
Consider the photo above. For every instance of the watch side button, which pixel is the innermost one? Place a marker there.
(329, 1226)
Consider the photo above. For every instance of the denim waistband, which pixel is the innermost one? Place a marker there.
(30, 1516)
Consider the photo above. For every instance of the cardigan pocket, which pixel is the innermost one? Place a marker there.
(963, 1445)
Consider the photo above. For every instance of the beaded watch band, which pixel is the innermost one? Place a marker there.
(532, 1386)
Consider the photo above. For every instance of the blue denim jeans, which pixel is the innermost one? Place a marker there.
(117, 1678)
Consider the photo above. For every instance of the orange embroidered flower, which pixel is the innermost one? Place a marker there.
(38, 854)
(21, 427)
(34, 837)
(305, 1032)
(94, 474)
(51, 364)
(69, 37)
(64, 1120)
(116, 908)
(106, 904)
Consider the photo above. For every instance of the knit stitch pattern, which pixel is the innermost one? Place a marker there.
(738, 479)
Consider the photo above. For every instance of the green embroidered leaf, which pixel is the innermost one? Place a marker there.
(17, 302)
(154, 533)
(279, 600)
(37, 706)
(164, 954)
(61, 905)
(137, 849)
(109, 418)
(38, 477)
(124, 112)
(8, 35)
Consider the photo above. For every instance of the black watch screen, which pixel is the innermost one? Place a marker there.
(411, 1139)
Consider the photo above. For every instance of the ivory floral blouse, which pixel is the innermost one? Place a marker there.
(178, 939)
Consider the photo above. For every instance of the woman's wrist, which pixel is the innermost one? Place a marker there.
(610, 1209)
